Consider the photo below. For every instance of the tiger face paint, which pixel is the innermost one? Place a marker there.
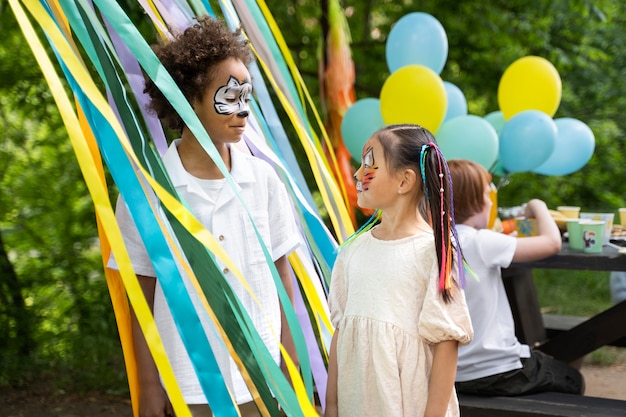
(367, 171)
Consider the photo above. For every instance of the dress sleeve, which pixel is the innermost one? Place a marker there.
(440, 321)
(338, 292)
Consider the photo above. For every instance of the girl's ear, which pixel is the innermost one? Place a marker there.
(408, 180)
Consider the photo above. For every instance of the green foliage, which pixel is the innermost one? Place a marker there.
(57, 316)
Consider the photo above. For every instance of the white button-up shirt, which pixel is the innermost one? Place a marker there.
(227, 219)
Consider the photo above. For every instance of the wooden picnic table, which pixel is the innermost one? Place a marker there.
(607, 327)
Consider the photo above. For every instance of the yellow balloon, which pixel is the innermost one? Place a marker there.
(414, 94)
(529, 83)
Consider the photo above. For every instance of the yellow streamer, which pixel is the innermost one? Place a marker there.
(169, 202)
(99, 194)
(302, 86)
(327, 184)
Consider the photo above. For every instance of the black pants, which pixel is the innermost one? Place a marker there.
(539, 373)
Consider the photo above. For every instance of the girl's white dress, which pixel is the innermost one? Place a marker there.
(385, 302)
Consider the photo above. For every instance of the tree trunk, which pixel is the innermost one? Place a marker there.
(14, 306)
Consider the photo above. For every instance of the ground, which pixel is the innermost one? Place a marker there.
(40, 401)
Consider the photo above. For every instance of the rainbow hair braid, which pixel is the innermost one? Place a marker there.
(440, 200)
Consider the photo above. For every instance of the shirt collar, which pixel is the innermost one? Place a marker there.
(180, 177)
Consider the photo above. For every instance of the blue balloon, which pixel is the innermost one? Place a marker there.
(527, 141)
(496, 119)
(469, 137)
(417, 39)
(360, 121)
(573, 148)
(457, 104)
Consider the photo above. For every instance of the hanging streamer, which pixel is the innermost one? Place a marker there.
(309, 265)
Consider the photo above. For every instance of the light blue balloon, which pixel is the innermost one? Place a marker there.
(573, 148)
(496, 119)
(417, 39)
(360, 121)
(469, 137)
(457, 104)
(527, 141)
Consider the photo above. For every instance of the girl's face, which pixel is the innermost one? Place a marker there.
(375, 184)
(224, 109)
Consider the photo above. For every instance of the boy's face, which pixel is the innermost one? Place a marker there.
(224, 108)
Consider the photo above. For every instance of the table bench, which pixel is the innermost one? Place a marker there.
(555, 324)
(545, 404)
(570, 340)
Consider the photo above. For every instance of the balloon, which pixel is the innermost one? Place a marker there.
(469, 137)
(573, 148)
(360, 121)
(526, 141)
(417, 39)
(457, 105)
(414, 94)
(530, 83)
(496, 119)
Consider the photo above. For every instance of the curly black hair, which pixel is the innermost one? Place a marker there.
(189, 58)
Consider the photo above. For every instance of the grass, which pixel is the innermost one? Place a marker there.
(575, 293)
(578, 293)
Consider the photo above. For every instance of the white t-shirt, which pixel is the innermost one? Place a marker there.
(495, 348)
(226, 218)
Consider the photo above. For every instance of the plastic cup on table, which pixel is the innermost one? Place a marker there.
(526, 227)
(571, 212)
(622, 216)
(575, 234)
(593, 236)
(607, 218)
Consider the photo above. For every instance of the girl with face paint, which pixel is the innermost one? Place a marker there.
(209, 64)
(398, 312)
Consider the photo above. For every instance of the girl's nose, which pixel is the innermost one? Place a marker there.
(243, 114)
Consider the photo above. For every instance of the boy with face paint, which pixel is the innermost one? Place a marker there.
(209, 64)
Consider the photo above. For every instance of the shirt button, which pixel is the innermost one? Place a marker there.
(221, 237)
(226, 271)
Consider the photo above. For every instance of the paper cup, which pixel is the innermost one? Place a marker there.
(593, 236)
(622, 216)
(569, 211)
(526, 227)
(575, 234)
(607, 218)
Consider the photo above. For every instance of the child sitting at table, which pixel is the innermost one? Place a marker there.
(495, 362)
(618, 286)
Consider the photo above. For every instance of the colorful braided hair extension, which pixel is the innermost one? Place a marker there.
(371, 222)
(438, 193)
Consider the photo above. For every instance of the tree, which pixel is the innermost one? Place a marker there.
(54, 297)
